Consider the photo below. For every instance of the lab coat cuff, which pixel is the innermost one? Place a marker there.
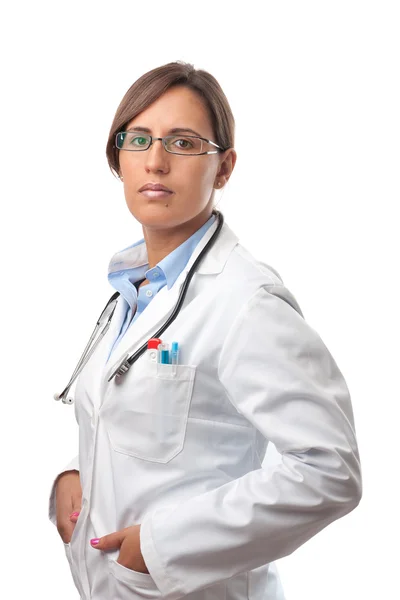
(169, 589)
(72, 466)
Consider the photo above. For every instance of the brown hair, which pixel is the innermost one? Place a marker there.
(154, 83)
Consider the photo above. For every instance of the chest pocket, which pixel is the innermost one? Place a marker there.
(148, 418)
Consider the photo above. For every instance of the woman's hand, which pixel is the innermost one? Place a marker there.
(68, 503)
(128, 541)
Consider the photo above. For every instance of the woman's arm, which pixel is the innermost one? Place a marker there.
(278, 373)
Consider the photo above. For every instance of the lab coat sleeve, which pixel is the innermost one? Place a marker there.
(73, 465)
(278, 373)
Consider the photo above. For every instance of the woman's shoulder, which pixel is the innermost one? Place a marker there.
(240, 264)
(245, 274)
(246, 267)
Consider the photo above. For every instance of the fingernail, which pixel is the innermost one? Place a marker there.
(95, 541)
(74, 514)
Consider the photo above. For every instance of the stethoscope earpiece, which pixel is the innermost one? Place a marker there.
(68, 400)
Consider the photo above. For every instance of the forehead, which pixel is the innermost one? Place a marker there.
(177, 107)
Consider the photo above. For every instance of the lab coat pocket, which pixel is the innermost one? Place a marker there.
(149, 417)
(67, 548)
(125, 584)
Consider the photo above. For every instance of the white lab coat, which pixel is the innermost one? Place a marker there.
(182, 456)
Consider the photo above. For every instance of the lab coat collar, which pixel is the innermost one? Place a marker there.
(164, 301)
(135, 257)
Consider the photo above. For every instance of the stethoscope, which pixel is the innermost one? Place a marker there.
(127, 361)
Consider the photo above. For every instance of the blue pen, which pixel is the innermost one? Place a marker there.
(174, 355)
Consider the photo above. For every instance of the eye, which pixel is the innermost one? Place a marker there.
(141, 141)
(188, 143)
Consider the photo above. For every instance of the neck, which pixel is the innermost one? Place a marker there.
(161, 242)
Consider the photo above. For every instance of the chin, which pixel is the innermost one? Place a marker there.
(154, 214)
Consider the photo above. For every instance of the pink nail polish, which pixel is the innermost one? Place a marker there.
(74, 514)
(95, 541)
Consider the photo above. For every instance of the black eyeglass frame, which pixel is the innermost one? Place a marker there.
(153, 139)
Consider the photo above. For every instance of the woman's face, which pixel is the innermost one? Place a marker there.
(191, 178)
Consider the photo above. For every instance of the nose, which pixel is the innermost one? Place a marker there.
(157, 157)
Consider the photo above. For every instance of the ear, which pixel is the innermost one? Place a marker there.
(227, 164)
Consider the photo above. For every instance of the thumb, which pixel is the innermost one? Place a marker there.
(112, 541)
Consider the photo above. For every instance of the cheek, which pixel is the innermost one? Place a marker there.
(125, 169)
(199, 176)
(122, 161)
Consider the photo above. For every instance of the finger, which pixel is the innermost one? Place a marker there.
(112, 541)
(75, 512)
(74, 516)
(76, 507)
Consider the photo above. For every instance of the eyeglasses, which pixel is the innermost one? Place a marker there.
(190, 145)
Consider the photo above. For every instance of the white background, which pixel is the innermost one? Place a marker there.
(314, 87)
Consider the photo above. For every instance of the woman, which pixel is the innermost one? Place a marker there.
(170, 495)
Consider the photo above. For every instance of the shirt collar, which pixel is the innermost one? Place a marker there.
(135, 258)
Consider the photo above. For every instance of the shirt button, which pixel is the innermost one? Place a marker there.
(156, 274)
(149, 293)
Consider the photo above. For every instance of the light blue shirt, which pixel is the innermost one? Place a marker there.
(124, 273)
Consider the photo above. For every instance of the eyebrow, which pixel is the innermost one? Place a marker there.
(174, 130)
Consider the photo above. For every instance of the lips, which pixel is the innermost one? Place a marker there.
(155, 187)
(149, 193)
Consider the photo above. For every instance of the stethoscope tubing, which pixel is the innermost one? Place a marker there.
(87, 353)
(125, 364)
